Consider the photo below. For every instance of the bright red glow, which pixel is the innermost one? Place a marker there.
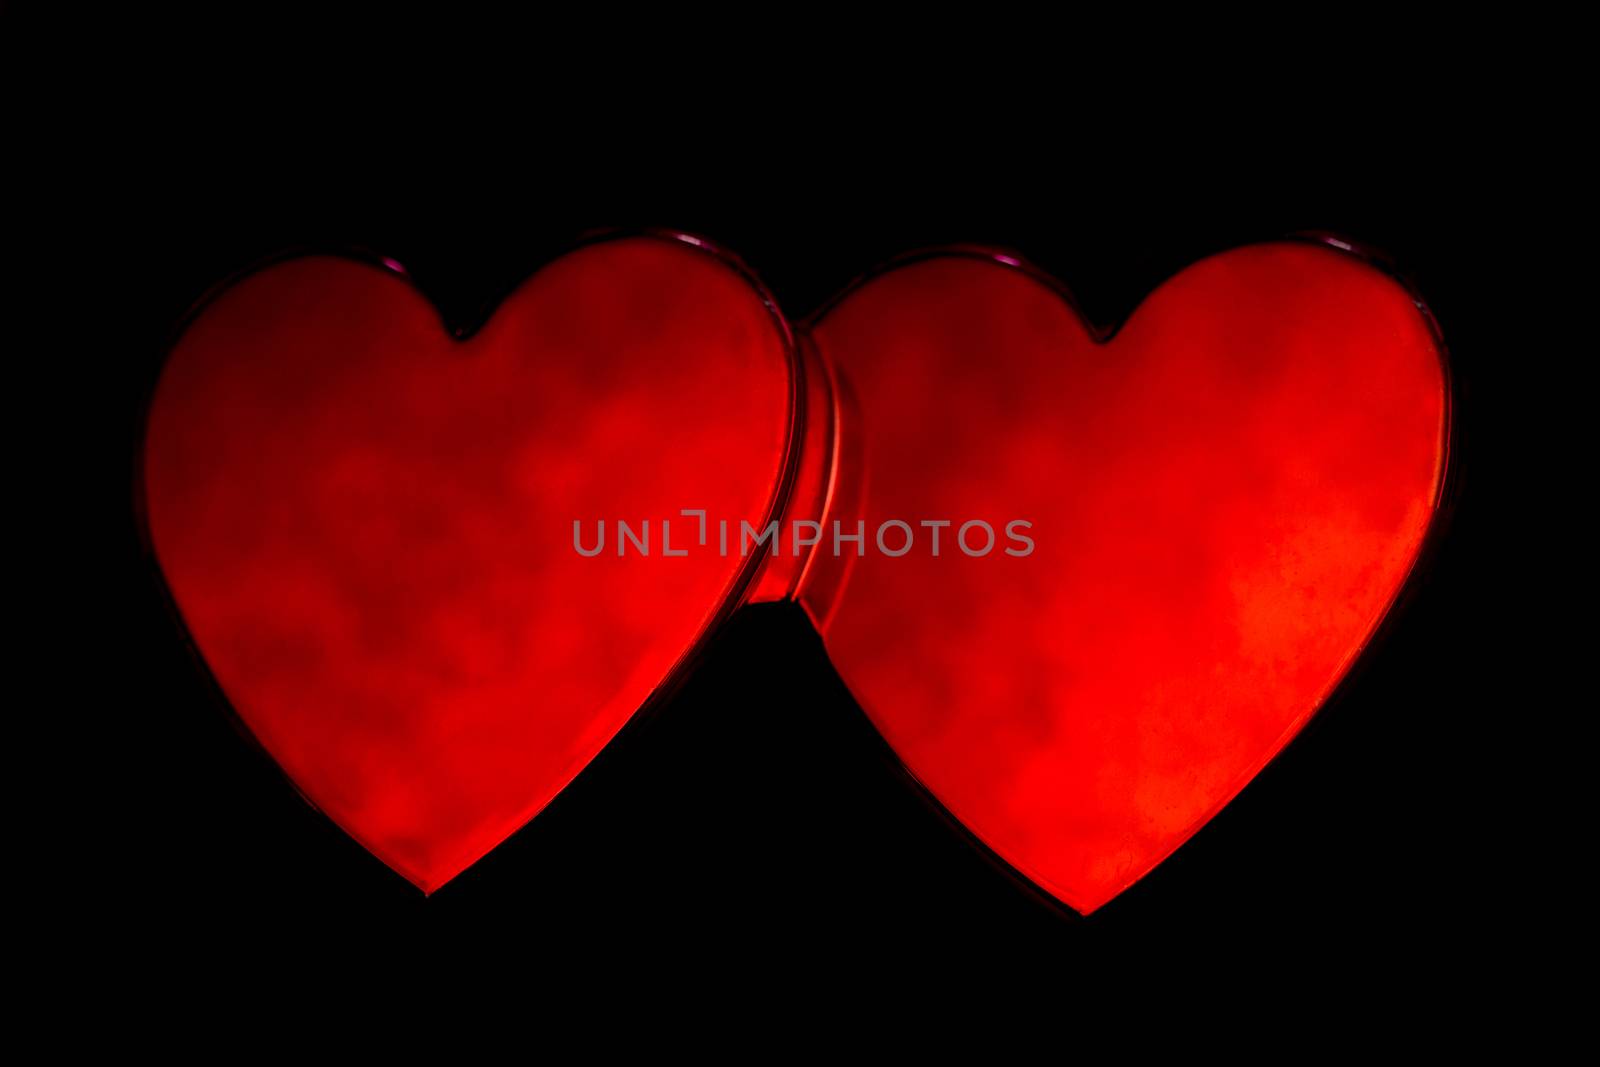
(1225, 498)
(367, 525)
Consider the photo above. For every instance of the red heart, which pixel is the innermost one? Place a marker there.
(367, 525)
(1225, 500)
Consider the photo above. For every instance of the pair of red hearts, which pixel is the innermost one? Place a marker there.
(367, 525)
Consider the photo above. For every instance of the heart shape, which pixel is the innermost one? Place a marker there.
(1225, 499)
(366, 524)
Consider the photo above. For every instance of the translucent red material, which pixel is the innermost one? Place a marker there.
(366, 524)
(1225, 499)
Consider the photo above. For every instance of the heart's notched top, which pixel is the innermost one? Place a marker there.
(365, 523)
(1227, 496)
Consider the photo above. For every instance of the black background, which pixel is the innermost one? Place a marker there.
(756, 821)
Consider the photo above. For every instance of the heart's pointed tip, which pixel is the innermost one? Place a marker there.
(1078, 904)
(428, 882)
(424, 885)
(1087, 906)
(1083, 902)
(427, 886)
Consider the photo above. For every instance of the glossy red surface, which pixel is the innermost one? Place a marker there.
(367, 525)
(1225, 499)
